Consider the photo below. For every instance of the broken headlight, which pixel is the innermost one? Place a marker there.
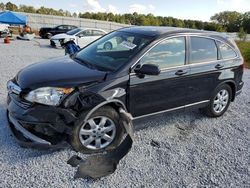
(47, 95)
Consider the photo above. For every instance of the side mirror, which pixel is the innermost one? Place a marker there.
(148, 69)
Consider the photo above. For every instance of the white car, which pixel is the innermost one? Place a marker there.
(81, 36)
(4, 30)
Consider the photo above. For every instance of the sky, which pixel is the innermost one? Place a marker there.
(182, 9)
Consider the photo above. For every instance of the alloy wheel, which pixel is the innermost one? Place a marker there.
(97, 133)
(220, 101)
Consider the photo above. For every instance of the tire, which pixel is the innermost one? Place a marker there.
(49, 35)
(108, 46)
(218, 106)
(52, 44)
(76, 140)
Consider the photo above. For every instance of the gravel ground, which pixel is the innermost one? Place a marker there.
(192, 150)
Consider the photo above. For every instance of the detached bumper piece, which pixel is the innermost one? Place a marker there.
(27, 139)
(100, 165)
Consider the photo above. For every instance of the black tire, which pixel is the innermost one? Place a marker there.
(209, 110)
(106, 111)
(52, 44)
(49, 35)
(108, 46)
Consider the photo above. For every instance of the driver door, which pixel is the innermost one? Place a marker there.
(166, 91)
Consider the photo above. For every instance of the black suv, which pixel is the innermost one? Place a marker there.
(149, 70)
(47, 32)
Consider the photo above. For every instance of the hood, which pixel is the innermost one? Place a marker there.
(61, 36)
(59, 72)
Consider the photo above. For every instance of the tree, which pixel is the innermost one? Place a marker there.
(29, 9)
(220, 28)
(242, 34)
(75, 15)
(2, 6)
(10, 6)
(231, 20)
(246, 22)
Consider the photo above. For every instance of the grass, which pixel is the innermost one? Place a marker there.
(244, 47)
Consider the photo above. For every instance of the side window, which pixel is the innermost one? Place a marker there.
(98, 33)
(226, 51)
(85, 33)
(202, 50)
(60, 27)
(167, 54)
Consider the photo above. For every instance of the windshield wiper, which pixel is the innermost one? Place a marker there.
(86, 63)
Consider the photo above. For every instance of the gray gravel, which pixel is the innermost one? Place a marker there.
(193, 150)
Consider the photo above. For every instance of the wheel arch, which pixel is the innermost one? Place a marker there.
(232, 85)
(114, 103)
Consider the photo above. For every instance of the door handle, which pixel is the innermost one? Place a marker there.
(181, 72)
(219, 66)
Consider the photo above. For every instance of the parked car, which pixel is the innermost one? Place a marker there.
(152, 70)
(4, 30)
(48, 32)
(81, 36)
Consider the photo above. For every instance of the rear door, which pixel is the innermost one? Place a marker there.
(206, 68)
(152, 94)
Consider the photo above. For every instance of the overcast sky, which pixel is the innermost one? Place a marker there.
(184, 9)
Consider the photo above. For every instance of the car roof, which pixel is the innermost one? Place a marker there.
(158, 31)
(85, 28)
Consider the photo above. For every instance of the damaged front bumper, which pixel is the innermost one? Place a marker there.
(38, 126)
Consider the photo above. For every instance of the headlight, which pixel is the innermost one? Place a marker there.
(48, 95)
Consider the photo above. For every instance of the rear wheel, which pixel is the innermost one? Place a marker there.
(219, 101)
(100, 132)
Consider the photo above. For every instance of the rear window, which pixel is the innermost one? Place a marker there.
(203, 50)
(226, 51)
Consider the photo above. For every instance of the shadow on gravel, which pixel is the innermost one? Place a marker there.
(187, 118)
(38, 43)
(9, 145)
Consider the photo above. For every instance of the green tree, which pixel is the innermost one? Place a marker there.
(231, 20)
(220, 28)
(10, 6)
(28, 9)
(2, 6)
(242, 34)
(246, 22)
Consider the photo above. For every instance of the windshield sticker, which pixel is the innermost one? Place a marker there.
(128, 45)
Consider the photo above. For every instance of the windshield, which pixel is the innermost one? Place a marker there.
(113, 50)
(73, 31)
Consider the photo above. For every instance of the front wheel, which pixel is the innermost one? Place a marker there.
(100, 132)
(219, 101)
